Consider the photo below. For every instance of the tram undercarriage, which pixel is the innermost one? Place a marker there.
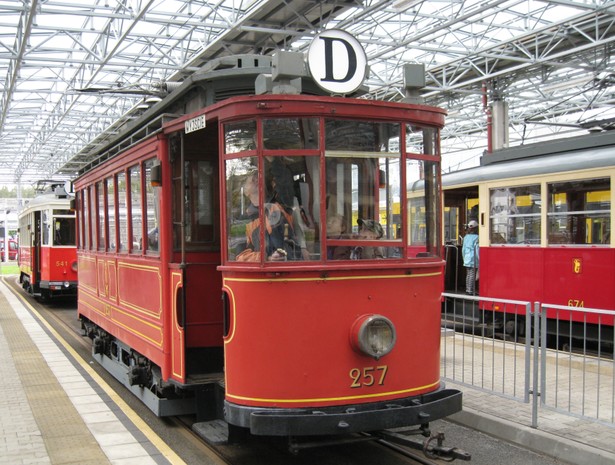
(46, 290)
(202, 398)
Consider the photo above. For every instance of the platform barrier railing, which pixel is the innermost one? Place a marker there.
(570, 370)
(487, 351)
(577, 367)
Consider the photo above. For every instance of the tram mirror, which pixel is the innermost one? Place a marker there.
(72, 205)
(156, 176)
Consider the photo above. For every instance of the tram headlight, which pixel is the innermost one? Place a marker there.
(373, 335)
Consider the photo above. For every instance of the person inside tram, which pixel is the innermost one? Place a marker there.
(336, 229)
(469, 252)
(281, 243)
(368, 230)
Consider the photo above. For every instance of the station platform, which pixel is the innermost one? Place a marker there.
(490, 373)
(55, 409)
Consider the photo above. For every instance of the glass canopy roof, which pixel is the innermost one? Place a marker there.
(74, 71)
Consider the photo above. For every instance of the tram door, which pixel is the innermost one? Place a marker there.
(460, 206)
(195, 214)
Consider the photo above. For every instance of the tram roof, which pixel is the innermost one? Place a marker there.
(585, 152)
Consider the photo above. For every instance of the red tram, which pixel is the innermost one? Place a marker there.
(545, 220)
(281, 203)
(47, 244)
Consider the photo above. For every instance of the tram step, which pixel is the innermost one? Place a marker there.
(205, 378)
(214, 432)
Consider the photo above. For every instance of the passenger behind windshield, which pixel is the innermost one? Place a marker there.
(336, 229)
(368, 230)
(281, 241)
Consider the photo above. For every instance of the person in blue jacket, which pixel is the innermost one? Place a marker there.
(470, 256)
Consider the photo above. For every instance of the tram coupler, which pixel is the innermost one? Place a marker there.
(437, 451)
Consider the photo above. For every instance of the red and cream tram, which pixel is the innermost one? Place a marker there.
(47, 244)
(545, 220)
(245, 260)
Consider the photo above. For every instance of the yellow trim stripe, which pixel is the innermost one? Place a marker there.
(337, 278)
(149, 268)
(332, 399)
(119, 323)
(231, 332)
(180, 331)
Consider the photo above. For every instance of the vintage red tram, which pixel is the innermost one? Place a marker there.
(281, 203)
(47, 244)
(545, 220)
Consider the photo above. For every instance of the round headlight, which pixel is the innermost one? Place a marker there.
(373, 335)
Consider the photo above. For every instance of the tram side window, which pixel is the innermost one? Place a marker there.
(111, 213)
(242, 212)
(78, 216)
(363, 187)
(25, 229)
(85, 219)
(199, 202)
(152, 199)
(122, 212)
(136, 209)
(45, 225)
(515, 215)
(579, 212)
(101, 224)
(422, 191)
(92, 225)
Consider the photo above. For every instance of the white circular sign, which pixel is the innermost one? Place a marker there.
(337, 62)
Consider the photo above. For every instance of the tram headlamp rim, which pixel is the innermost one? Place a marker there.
(363, 333)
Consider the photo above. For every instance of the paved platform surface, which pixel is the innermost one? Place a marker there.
(574, 385)
(53, 410)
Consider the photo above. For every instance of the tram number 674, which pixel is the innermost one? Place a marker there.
(368, 376)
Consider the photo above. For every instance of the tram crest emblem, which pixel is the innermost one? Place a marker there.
(577, 265)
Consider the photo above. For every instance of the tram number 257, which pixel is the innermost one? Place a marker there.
(368, 376)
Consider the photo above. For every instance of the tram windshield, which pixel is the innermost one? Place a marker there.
(64, 230)
(363, 187)
(275, 183)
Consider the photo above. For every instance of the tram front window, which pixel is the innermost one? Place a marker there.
(363, 186)
(422, 172)
(64, 230)
(289, 200)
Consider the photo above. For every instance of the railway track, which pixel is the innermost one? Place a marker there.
(355, 450)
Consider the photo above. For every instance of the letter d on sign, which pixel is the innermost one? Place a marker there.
(337, 62)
